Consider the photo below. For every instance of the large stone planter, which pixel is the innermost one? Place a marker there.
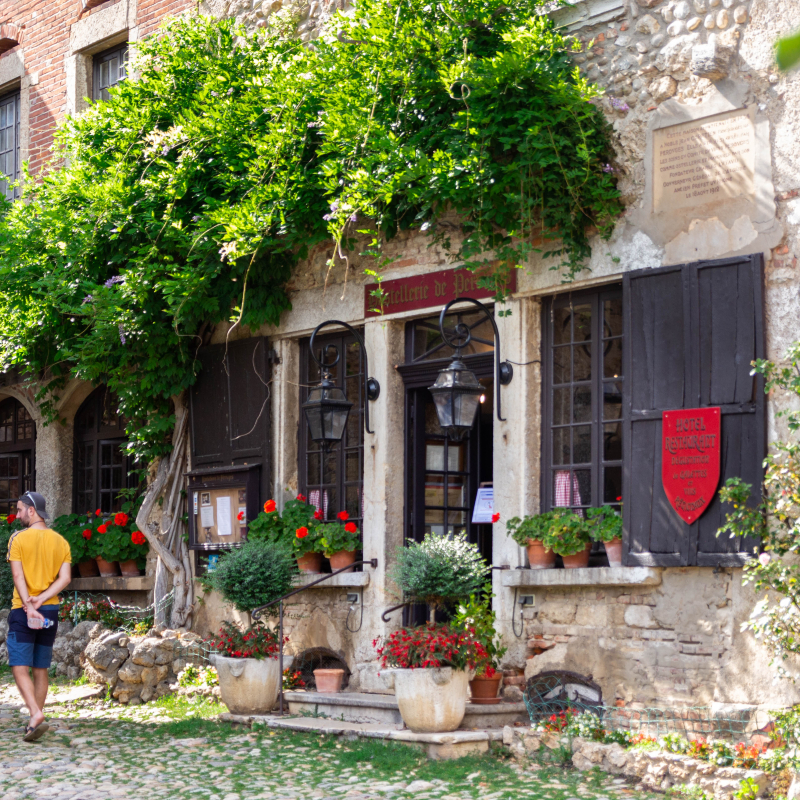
(431, 700)
(248, 685)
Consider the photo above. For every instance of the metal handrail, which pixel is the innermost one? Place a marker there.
(408, 602)
(256, 613)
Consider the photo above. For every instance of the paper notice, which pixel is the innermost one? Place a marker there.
(224, 516)
(206, 516)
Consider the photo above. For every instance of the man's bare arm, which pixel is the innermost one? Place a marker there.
(18, 575)
(61, 582)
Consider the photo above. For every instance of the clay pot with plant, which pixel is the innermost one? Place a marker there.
(529, 532)
(605, 525)
(120, 542)
(79, 531)
(476, 617)
(568, 537)
(340, 540)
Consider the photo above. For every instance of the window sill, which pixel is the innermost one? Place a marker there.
(590, 576)
(344, 579)
(142, 583)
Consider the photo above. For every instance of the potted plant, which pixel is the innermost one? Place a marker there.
(439, 570)
(605, 525)
(568, 536)
(120, 542)
(529, 532)
(431, 667)
(248, 667)
(307, 547)
(339, 541)
(8, 526)
(78, 531)
(478, 619)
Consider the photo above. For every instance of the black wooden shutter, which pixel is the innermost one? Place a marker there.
(229, 406)
(691, 332)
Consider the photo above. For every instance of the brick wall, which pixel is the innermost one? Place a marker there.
(45, 46)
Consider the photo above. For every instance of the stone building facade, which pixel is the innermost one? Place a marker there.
(662, 629)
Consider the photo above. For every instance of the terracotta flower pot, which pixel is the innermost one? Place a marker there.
(88, 569)
(431, 700)
(108, 569)
(485, 690)
(579, 559)
(342, 559)
(310, 563)
(614, 552)
(539, 557)
(329, 681)
(129, 568)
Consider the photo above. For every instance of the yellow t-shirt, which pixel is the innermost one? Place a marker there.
(42, 552)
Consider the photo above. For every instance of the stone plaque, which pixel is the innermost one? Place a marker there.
(705, 160)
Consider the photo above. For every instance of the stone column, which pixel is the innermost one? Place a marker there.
(516, 453)
(285, 409)
(384, 504)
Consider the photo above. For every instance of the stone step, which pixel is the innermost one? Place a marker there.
(362, 707)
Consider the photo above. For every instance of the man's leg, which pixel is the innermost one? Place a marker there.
(40, 679)
(27, 691)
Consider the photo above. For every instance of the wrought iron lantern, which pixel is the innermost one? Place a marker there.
(327, 407)
(457, 392)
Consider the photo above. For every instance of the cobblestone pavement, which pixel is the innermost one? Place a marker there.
(99, 750)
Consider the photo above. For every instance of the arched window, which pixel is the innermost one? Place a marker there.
(17, 437)
(101, 466)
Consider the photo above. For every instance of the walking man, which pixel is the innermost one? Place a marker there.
(41, 567)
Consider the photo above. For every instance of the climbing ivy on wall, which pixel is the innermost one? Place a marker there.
(188, 198)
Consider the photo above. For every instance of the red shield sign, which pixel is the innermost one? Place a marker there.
(690, 459)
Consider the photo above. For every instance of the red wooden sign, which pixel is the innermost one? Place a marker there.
(429, 290)
(690, 459)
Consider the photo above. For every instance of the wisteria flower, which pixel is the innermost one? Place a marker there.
(122, 334)
(88, 299)
(116, 279)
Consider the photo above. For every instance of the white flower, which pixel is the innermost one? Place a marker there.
(764, 559)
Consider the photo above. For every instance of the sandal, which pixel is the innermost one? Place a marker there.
(33, 733)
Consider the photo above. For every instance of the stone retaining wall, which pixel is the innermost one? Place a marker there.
(651, 769)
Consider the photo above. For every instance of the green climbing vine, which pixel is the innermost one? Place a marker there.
(189, 197)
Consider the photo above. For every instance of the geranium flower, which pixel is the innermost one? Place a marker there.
(87, 534)
(102, 528)
(351, 527)
(343, 516)
(318, 514)
(495, 518)
(98, 512)
(269, 506)
(301, 498)
(10, 518)
(302, 532)
(121, 519)
(240, 516)
(137, 537)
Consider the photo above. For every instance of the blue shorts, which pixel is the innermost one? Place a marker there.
(29, 647)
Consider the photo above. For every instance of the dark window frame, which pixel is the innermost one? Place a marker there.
(23, 449)
(338, 455)
(99, 439)
(596, 464)
(119, 51)
(14, 149)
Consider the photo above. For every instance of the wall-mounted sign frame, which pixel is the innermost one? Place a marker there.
(221, 501)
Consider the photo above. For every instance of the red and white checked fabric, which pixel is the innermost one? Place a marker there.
(561, 489)
(313, 499)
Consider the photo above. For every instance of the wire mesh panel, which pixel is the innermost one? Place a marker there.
(94, 607)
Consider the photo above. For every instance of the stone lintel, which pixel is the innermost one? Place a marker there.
(143, 583)
(345, 579)
(589, 576)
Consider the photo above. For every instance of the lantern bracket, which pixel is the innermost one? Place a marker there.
(372, 389)
(504, 372)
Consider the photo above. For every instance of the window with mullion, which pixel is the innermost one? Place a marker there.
(110, 67)
(583, 399)
(9, 144)
(333, 481)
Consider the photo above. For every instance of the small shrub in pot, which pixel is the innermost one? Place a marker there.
(605, 525)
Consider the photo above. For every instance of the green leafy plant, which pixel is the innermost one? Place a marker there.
(188, 198)
(292, 679)
(258, 641)
(567, 534)
(748, 790)
(272, 525)
(102, 610)
(71, 527)
(339, 536)
(193, 675)
(307, 539)
(253, 575)
(535, 528)
(604, 524)
(8, 525)
(118, 539)
(439, 570)
(477, 617)
(787, 52)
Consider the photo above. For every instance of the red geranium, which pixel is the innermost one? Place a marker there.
(240, 516)
(87, 534)
(137, 537)
(269, 506)
(301, 498)
(98, 512)
(121, 519)
(495, 517)
(102, 528)
(10, 518)
(318, 514)
(343, 516)
(302, 532)
(351, 527)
